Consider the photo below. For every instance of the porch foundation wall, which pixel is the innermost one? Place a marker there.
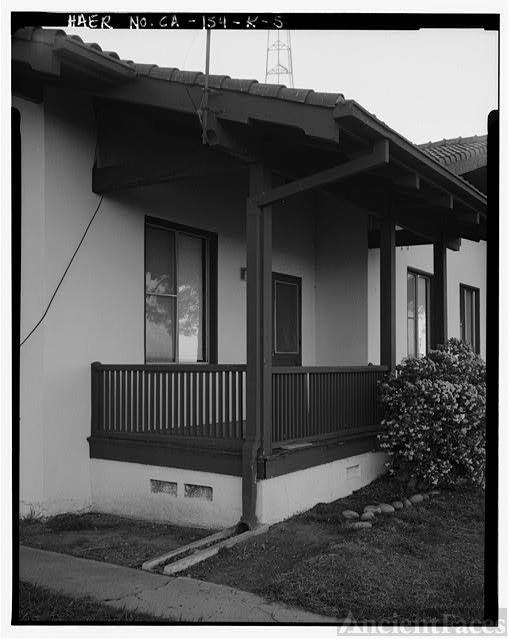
(284, 496)
(178, 496)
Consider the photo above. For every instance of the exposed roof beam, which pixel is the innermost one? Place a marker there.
(220, 135)
(406, 238)
(378, 156)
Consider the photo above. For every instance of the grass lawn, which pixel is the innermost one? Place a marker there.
(421, 563)
(108, 538)
(41, 605)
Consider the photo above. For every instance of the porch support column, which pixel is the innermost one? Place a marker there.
(439, 299)
(387, 293)
(259, 339)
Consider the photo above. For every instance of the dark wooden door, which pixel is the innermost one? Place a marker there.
(286, 320)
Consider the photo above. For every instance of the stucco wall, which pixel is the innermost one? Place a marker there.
(125, 489)
(32, 300)
(467, 266)
(284, 496)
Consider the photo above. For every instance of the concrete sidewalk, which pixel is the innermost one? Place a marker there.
(175, 599)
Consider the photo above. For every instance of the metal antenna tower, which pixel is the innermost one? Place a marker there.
(278, 63)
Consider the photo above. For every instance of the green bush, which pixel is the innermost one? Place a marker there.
(435, 417)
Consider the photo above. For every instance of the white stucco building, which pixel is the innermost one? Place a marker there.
(245, 296)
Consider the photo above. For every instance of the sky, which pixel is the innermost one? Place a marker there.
(427, 85)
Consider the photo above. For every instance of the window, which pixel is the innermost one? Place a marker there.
(286, 332)
(180, 276)
(469, 316)
(418, 313)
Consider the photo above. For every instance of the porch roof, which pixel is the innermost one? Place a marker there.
(329, 127)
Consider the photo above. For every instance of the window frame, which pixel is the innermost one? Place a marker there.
(209, 266)
(419, 273)
(476, 304)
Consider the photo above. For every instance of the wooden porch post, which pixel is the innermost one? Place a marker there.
(387, 293)
(96, 397)
(439, 299)
(259, 339)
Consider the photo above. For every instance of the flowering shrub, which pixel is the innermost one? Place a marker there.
(435, 416)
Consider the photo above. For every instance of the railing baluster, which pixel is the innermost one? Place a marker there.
(241, 410)
(220, 402)
(188, 403)
(201, 391)
(164, 401)
(206, 419)
(182, 402)
(129, 417)
(194, 399)
(214, 403)
(175, 399)
(227, 404)
(107, 401)
(234, 405)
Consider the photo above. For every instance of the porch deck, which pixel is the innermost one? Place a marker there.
(194, 416)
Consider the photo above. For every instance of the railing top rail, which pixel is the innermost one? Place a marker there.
(168, 368)
(163, 368)
(359, 369)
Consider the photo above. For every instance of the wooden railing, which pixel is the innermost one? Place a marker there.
(314, 402)
(209, 401)
(205, 401)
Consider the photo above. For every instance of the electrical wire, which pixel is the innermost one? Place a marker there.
(65, 272)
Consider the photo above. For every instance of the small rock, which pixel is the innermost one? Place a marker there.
(373, 508)
(359, 525)
(397, 504)
(435, 492)
(416, 498)
(387, 508)
(406, 503)
(368, 515)
(350, 515)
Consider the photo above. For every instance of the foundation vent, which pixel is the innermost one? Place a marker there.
(197, 491)
(162, 486)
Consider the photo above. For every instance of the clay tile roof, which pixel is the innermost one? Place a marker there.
(225, 83)
(51, 36)
(450, 152)
(266, 90)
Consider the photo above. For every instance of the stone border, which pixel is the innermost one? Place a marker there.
(365, 520)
